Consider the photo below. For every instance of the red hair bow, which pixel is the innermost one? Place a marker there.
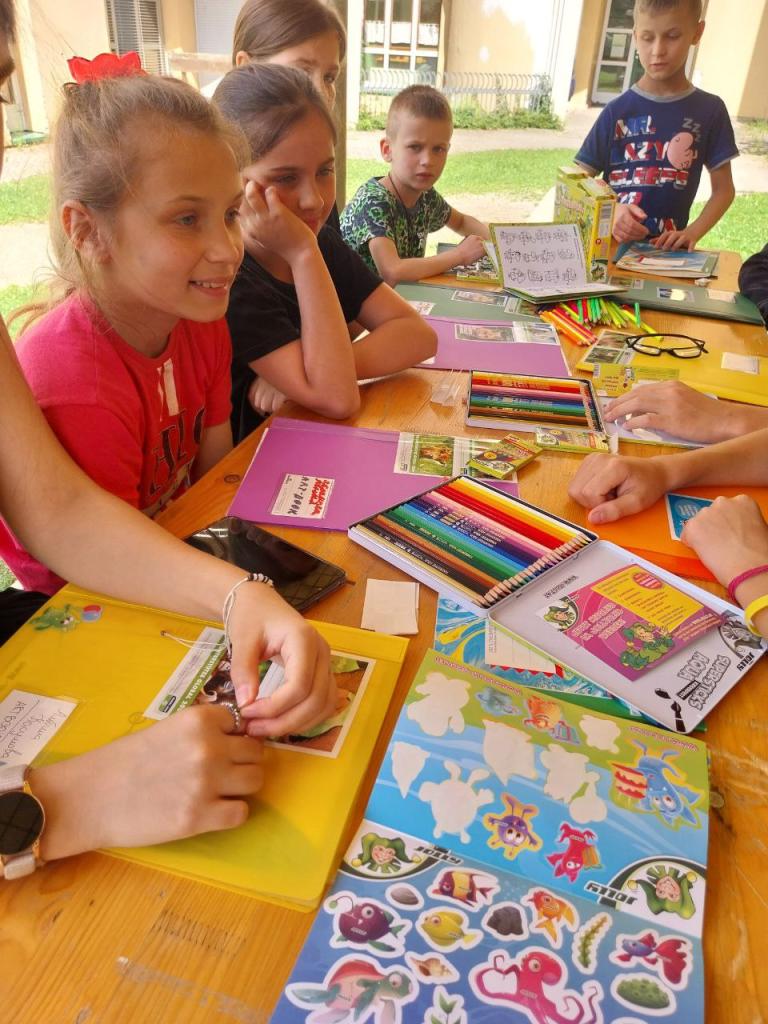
(106, 65)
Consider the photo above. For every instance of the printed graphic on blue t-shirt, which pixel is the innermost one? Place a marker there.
(651, 151)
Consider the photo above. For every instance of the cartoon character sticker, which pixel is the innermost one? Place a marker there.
(656, 786)
(534, 984)
(671, 956)
(356, 988)
(467, 888)
(382, 855)
(512, 832)
(552, 915)
(367, 924)
(580, 854)
(446, 929)
(667, 889)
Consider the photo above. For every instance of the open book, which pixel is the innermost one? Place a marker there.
(520, 858)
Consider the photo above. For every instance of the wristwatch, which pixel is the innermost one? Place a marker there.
(22, 820)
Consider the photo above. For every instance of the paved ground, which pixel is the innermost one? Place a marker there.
(23, 247)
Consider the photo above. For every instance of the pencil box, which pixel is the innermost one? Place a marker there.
(526, 401)
(663, 644)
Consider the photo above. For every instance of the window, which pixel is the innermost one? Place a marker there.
(136, 25)
(401, 33)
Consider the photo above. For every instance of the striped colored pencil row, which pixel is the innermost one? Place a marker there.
(479, 541)
(562, 401)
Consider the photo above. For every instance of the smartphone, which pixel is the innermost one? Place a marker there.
(299, 577)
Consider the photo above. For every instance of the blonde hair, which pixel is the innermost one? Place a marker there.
(266, 100)
(655, 6)
(267, 27)
(97, 156)
(418, 101)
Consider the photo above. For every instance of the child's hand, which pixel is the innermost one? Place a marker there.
(614, 486)
(469, 250)
(268, 224)
(684, 239)
(263, 626)
(179, 778)
(670, 406)
(264, 398)
(729, 536)
(627, 223)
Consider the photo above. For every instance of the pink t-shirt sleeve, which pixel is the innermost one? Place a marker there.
(218, 402)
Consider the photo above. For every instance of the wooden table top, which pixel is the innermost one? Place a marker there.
(97, 940)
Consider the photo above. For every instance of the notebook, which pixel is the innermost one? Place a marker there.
(94, 669)
(689, 299)
(606, 614)
(644, 258)
(526, 401)
(544, 262)
(327, 476)
(462, 301)
(535, 863)
(520, 346)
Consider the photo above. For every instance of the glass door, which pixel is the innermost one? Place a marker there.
(617, 66)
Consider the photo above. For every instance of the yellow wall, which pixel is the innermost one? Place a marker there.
(56, 30)
(179, 25)
(486, 42)
(733, 56)
(590, 35)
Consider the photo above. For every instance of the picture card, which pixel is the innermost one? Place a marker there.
(681, 508)
(27, 722)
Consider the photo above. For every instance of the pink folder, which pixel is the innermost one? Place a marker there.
(500, 357)
(326, 476)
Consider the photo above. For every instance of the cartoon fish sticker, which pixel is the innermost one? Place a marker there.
(447, 929)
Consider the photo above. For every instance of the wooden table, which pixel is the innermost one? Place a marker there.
(95, 940)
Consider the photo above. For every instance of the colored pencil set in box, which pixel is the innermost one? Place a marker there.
(528, 401)
(505, 458)
(470, 541)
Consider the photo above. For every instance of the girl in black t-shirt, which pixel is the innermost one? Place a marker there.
(300, 286)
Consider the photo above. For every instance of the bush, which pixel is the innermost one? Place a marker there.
(471, 116)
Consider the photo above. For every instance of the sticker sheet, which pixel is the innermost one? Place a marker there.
(533, 862)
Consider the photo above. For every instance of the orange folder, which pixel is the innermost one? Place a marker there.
(648, 533)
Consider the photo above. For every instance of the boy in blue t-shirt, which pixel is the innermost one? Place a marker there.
(651, 143)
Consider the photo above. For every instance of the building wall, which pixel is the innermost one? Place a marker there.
(49, 33)
(742, 80)
(179, 25)
(587, 47)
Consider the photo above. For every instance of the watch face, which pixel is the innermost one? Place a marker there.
(21, 822)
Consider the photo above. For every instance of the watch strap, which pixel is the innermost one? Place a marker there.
(19, 865)
(12, 777)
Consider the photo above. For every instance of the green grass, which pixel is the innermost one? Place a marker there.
(25, 200)
(520, 173)
(11, 298)
(742, 229)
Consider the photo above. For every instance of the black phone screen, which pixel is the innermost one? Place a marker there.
(299, 577)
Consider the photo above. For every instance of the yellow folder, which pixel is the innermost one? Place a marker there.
(114, 658)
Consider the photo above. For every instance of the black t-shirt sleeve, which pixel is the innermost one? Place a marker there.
(261, 318)
(333, 221)
(353, 280)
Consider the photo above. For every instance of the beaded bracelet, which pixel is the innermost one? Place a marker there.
(229, 602)
(754, 608)
(746, 575)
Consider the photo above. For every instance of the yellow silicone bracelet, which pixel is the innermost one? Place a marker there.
(754, 608)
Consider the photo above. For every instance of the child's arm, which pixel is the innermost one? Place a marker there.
(215, 443)
(102, 544)
(614, 486)
(398, 337)
(317, 370)
(465, 225)
(393, 269)
(722, 196)
(753, 280)
(681, 410)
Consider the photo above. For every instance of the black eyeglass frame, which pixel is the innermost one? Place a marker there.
(693, 350)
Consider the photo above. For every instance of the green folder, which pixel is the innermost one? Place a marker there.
(689, 299)
(479, 306)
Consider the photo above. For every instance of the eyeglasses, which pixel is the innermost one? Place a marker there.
(645, 344)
